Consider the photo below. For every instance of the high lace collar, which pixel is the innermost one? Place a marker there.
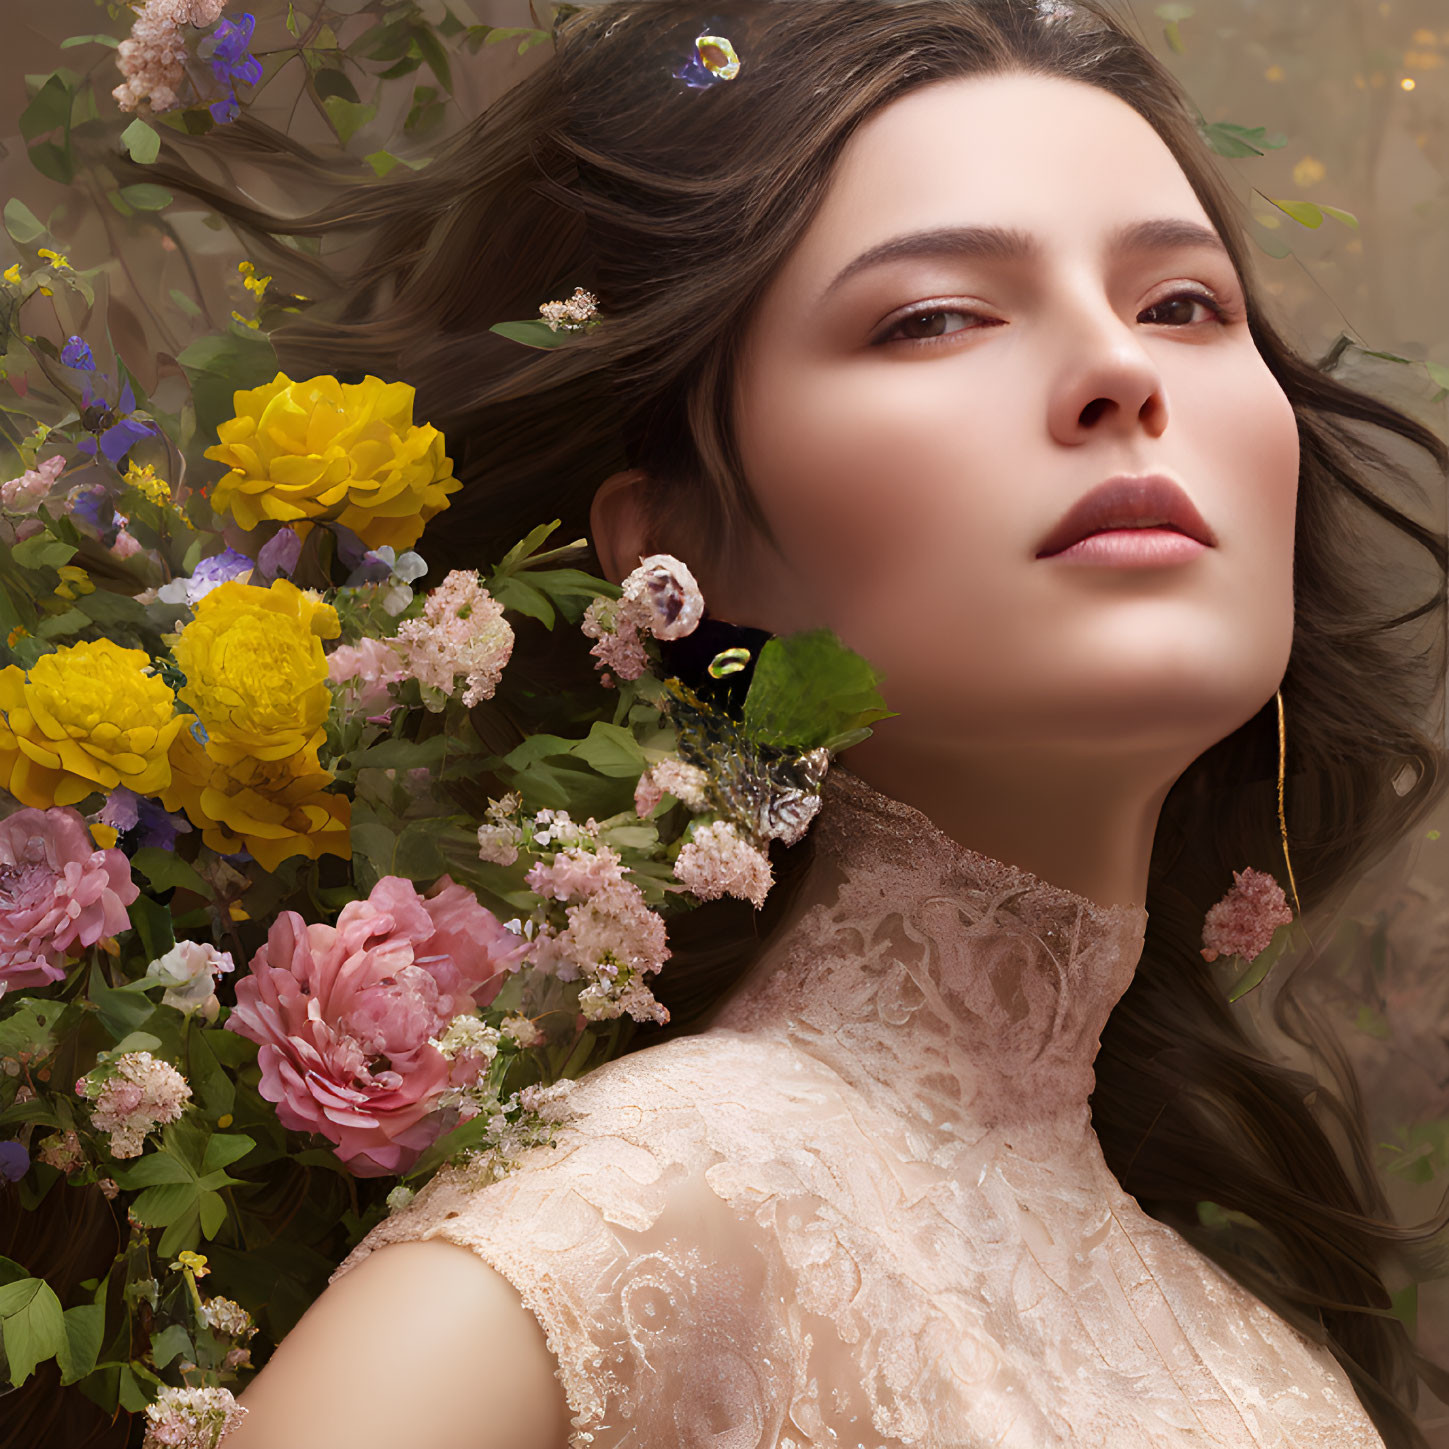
(970, 989)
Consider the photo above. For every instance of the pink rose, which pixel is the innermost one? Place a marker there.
(57, 891)
(343, 1015)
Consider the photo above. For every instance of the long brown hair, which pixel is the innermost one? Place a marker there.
(676, 207)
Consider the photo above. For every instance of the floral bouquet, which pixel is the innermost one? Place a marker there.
(250, 933)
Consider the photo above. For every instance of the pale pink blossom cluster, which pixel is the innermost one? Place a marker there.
(227, 1318)
(57, 891)
(468, 1036)
(687, 783)
(614, 940)
(660, 597)
(62, 1151)
(619, 649)
(719, 861)
(571, 314)
(190, 969)
(575, 874)
(127, 545)
(191, 1418)
(1243, 922)
(375, 665)
(344, 1015)
(523, 1031)
(25, 493)
(153, 58)
(141, 1093)
(462, 631)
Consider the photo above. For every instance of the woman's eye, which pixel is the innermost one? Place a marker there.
(933, 322)
(924, 325)
(1183, 302)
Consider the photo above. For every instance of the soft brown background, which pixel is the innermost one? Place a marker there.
(1361, 90)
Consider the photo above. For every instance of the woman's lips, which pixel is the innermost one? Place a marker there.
(1133, 548)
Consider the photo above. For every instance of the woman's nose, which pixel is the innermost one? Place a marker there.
(1107, 378)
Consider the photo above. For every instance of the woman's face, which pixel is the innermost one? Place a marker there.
(914, 429)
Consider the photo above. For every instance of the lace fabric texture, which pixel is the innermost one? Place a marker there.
(865, 1206)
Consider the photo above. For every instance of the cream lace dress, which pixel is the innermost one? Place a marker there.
(866, 1207)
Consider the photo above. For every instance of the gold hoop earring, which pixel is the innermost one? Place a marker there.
(1282, 823)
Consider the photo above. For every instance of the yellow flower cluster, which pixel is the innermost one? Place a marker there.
(301, 452)
(58, 263)
(144, 480)
(91, 716)
(256, 286)
(256, 676)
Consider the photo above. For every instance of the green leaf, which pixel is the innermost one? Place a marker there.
(81, 1345)
(330, 82)
(532, 333)
(145, 197)
(22, 223)
(212, 1208)
(183, 1233)
(109, 40)
(521, 597)
(611, 751)
(48, 110)
(347, 117)
(122, 1009)
(1301, 211)
(153, 926)
(1230, 140)
(164, 869)
(159, 1207)
(432, 51)
(1438, 373)
(1346, 217)
(225, 1148)
(53, 161)
(42, 551)
(33, 1324)
(132, 1396)
(171, 1341)
(155, 1169)
(143, 143)
(809, 691)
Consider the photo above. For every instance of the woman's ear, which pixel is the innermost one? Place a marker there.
(619, 523)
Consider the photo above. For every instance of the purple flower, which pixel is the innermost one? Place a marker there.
(231, 62)
(116, 436)
(157, 826)
(77, 353)
(280, 553)
(221, 567)
(86, 503)
(14, 1162)
(121, 810)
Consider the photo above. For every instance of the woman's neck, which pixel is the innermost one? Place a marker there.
(965, 988)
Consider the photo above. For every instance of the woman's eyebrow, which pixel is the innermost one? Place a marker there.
(998, 243)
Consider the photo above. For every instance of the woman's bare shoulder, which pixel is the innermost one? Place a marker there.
(423, 1344)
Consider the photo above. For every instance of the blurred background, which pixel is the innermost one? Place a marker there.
(1340, 104)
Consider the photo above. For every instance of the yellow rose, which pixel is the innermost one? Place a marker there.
(344, 452)
(271, 808)
(256, 673)
(86, 718)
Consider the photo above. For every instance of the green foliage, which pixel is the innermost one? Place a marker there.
(810, 692)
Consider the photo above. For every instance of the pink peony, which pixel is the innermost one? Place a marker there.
(57, 891)
(343, 1015)
(1243, 922)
